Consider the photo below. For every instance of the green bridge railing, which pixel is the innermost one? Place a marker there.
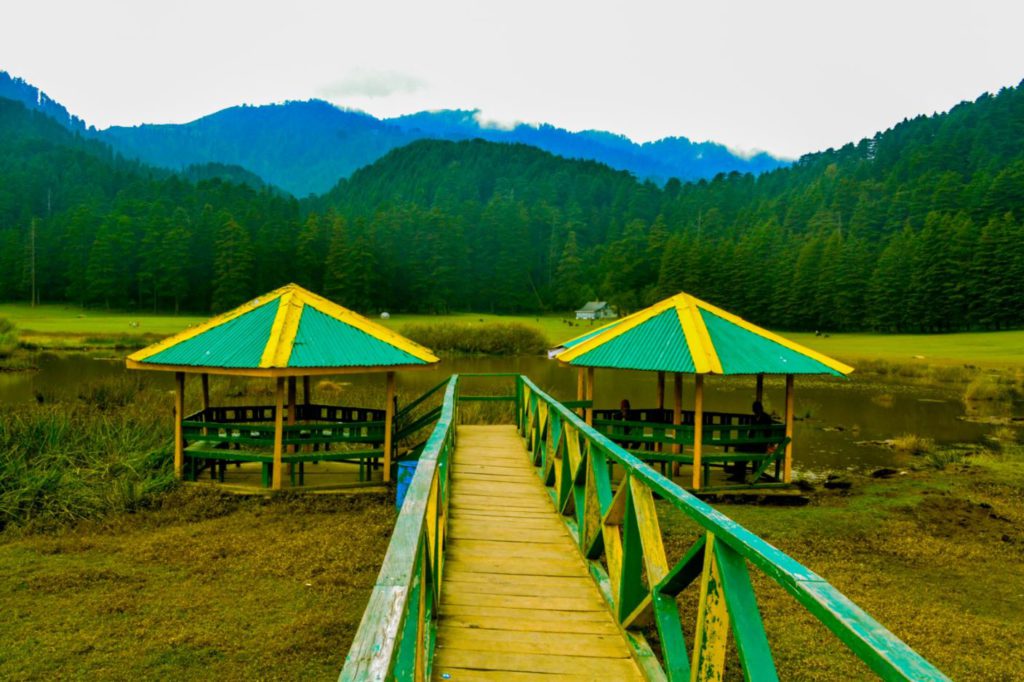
(617, 531)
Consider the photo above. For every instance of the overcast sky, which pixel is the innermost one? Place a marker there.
(786, 77)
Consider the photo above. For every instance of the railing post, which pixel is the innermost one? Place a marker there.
(278, 431)
(389, 424)
(698, 429)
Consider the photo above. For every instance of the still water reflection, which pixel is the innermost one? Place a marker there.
(834, 415)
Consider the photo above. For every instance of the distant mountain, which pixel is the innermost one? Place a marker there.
(35, 99)
(306, 147)
(671, 157)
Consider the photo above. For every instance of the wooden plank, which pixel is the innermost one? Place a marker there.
(504, 601)
(597, 668)
(566, 587)
(516, 567)
(525, 623)
(469, 675)
(523, 535)
(562, 643)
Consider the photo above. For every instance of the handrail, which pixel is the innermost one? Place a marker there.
(622, 530)
(395, 637)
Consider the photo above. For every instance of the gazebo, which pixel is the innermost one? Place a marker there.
(685, 335)
(283, 335)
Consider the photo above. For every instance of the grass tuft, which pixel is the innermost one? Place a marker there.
(912, 443)
(491, 338)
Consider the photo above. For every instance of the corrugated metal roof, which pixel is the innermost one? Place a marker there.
(237, 343)
(744, 352)
(322, 341)
(289, 328)
(659, 345)
(686, 334)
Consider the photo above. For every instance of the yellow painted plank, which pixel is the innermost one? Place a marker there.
(522, 535)
(597, 668)
(565, 587)
(454, 597)
(468, 675)
(536, 626)
(516, 567)
(564, 644)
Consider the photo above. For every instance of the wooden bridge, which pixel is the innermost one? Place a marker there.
(533, 551)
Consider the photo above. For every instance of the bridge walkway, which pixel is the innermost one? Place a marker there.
(517, 598)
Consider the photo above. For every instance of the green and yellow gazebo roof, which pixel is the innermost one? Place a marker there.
(287, 332)
(688, 335)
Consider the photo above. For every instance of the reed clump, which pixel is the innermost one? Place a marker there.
(103, 449)
(491, 338)
(8, 338)
(913, 443)
(1002, 387)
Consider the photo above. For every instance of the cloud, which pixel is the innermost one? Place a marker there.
(370, 83)
(495, 123)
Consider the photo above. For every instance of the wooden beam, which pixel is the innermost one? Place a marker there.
(787, 469)
(590, 395)
(307, 390)
(278, 431)
(677, 408)
(759, 392)
(698, 428)
(179, 415)
(389, 418)
(661, 406)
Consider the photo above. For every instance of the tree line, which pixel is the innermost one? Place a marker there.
(916, 229)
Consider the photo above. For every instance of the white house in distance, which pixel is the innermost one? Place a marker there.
(596, 310)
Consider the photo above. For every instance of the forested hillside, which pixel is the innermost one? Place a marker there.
(916, 229)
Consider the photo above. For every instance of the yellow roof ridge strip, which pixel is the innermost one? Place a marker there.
(702, 348)
(378, 331)
(625, 324)
(216, 321)
(782, 341)
(282, 333)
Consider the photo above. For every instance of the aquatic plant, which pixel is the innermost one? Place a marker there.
(912, 443)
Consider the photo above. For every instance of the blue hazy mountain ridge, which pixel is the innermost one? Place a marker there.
(306, 147)
(35, 99)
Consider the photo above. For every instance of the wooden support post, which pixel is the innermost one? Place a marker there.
(278, 432)
(179, 415)
(206, 397)
(677, 409)
(581, 390)
(658, 447)
(291, 414)
(759, 392)
(389, 418)
(698, 429)
(590, 395)
(307, 391)
(787, 467)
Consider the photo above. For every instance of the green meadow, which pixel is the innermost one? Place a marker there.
(62, 326)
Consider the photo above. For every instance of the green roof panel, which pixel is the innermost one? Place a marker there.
(237, 343)
(744, 352)
(589, 335)
(658, 344)
(323, 341)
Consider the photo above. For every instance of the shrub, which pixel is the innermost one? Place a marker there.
(492, 338)
(8, 338)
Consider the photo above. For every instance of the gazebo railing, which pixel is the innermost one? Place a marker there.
(617, 530)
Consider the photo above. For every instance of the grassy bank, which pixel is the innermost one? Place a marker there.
(198, 586)
(934, 553)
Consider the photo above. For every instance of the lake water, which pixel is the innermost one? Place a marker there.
(833, 414)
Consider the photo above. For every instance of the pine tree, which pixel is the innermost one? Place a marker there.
(232, 266)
